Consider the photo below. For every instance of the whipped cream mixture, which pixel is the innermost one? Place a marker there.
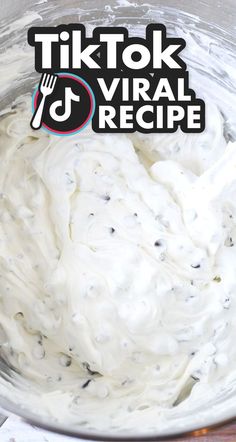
(118, 260)
(117, 264)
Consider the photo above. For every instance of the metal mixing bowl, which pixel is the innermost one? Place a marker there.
(217, 18)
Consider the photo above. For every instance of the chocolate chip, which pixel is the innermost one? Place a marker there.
(86, 383)
(65, 360)
(195, 378)
(217, 279)
(106, 197)
(19, 315)
(86, 365)
(197, 266)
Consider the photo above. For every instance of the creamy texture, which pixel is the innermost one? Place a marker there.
(117, 256)
(117, 267)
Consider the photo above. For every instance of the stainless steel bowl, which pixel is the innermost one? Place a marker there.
(215, 18)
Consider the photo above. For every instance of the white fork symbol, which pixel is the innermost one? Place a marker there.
(47, 84)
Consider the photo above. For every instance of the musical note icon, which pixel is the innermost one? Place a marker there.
(69, 97)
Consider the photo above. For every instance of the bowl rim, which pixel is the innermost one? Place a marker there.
(189, 430)
(199, 430)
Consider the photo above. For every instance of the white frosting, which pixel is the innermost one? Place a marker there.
(117, 253)
(117, 267)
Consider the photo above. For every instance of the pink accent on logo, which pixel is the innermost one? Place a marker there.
(90, 111)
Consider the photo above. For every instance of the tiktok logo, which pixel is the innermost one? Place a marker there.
(69, 97)
(62, 104)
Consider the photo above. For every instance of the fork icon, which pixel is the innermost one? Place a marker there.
(47, 84)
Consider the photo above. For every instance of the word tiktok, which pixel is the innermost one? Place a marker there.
(139, 83)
